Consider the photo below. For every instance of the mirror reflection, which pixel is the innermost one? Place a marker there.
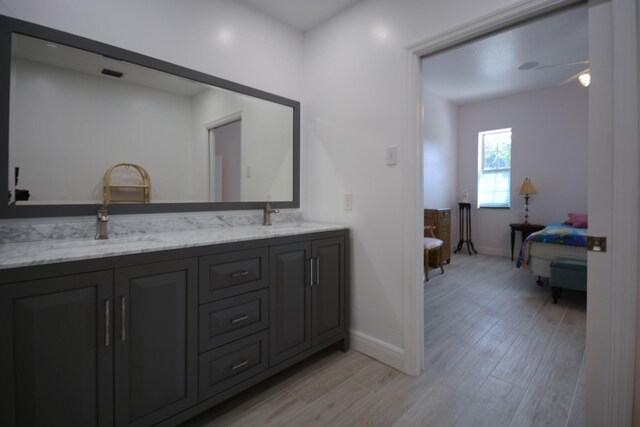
(75, 114)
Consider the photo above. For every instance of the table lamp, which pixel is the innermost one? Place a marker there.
(526, 189)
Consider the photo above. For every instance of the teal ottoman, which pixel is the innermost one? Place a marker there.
(567, 274)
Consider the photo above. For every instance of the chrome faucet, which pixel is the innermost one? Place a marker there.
(101, 226)
(266, 213)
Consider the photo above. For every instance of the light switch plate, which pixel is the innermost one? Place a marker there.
(392, 156)
(348, 201)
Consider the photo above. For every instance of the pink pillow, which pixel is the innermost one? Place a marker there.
(579, 220)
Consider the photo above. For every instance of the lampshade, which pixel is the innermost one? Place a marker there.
(527, 188)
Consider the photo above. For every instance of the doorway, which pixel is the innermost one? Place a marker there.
(612, 283)
(225, 145)
(497, 110)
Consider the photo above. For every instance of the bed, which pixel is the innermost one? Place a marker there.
(556, 241)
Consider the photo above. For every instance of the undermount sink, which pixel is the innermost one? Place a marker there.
(78, 243)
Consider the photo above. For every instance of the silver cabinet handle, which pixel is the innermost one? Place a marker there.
(239, 274)
(239, 365)
(311, 261)
(107, 324)
(123, 318)
(239, 319)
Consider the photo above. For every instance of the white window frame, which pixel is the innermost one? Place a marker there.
(482, 172)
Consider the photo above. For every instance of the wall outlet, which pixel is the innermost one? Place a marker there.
(392, 156)
(248, 171)
(348, 201)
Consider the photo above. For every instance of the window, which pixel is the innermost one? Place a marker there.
(494, 168)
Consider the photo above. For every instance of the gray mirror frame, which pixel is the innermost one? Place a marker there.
(9, 26)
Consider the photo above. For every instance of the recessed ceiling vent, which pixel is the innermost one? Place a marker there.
(528, 66)
(112, 73)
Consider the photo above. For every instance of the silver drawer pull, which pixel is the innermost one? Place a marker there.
(239, 319)
(123, 319)
(239, 365)
(107, 323)
(239, 274)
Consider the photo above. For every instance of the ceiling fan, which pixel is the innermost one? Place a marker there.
(584, 77)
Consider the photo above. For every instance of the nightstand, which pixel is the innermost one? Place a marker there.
(525, 230)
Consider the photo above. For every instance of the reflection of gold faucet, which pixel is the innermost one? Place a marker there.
(266, 213)
(103, 219)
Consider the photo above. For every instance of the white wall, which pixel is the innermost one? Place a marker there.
(549, 144)
(220, 37)
(440, 135)
(266, 133)
(70, 127)
(354, 107)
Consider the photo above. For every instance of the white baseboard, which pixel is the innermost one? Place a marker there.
(379, 350)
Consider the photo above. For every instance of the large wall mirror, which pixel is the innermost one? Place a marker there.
(73, 108)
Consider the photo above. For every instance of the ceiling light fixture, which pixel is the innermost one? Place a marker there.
(585, 79)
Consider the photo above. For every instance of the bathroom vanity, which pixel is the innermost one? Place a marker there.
(166, 318)
(154, 329)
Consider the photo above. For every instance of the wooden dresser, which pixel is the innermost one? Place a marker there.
(441, 219)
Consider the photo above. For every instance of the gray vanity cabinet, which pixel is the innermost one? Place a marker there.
(290, 301)
(158, 337)
(328, 290)
(56, 357)
(156, 341)
(307, 295)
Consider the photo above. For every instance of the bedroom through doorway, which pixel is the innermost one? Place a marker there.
(505, 145)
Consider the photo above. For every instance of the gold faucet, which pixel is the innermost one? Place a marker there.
(266, 213)
(101, 226)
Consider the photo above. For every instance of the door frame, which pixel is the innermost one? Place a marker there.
(211, 144)
(613, 298)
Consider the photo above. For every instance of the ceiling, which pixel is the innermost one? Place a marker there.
(301, 14)
(69, 58)
(488, 68)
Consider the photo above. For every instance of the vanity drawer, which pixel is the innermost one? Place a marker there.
(233, 318)
(229, 274)
(227, 366)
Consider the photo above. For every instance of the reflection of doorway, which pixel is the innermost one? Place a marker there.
(225, 144)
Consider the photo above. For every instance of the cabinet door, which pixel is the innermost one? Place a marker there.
(327, 297)
(56, 357)
(156, 341)
(289, 301)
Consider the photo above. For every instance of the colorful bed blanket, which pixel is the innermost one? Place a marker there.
(560, 234)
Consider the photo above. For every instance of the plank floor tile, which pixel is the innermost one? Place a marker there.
(328, 410)
(440, 407)
(498, 352)
(319, 383)
(494, 405)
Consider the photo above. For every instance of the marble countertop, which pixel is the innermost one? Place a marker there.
(14, 255)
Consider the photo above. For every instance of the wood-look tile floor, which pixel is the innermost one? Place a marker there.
(498, 352)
